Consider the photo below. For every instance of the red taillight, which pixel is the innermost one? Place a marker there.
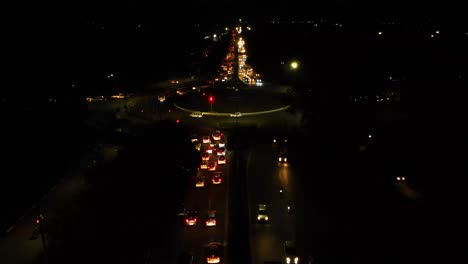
(186, 220)
(37, 221)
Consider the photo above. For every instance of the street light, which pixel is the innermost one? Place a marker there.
(211, 99)
(40, 221)
(294, 65)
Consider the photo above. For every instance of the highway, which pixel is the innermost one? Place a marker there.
(265, 176)
(196, 238)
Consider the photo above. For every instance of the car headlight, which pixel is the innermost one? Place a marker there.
(279, 159)
(266, 218)
(285, 159)
(296, 260)
(258, 217)
(288, 260)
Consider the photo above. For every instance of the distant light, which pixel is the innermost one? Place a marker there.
(294, 65)
(177, 121)
(380, 33)
(370, 136)
(437, 32)
(432, 35)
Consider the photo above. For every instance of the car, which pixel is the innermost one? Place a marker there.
(217, 135)
(191, 218)
(290, 253)
(213, 254)
(222, 160)
(181, 211)
(280, 140)
(205, 157)
(200, 182)
(283, 157)
(206, 139)
(210, 219)
(262, 213)
(209, 149)
(212, 166)
(221, 152)
(203, 165)
(197, 145)
(400, 178)
(236, 114)
(221, 144)
(217, 178)
(197, 114)
(194, 138)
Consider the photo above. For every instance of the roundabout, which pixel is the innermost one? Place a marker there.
(234, 102)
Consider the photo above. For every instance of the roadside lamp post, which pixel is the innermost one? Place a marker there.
(211, 99)
(40, 220)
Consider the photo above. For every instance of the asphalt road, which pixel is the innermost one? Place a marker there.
(265, 176)
(196, 238)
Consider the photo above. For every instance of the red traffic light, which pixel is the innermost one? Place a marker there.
(211, 99)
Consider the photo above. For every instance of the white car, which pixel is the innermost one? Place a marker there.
(209, 149)
(221, 152)
(236, 114)
(206, 139)
(222, 159)
(197, 114)
(262, 213)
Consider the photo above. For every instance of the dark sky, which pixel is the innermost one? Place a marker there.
(38, 35)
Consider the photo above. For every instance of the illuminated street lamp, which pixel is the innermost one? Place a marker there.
(211, 99)
(294, 65)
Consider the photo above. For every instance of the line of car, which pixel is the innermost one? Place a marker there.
(291, 255)
(212, 153)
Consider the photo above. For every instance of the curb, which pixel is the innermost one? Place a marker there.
(228, 114)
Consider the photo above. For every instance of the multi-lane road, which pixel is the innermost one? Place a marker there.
(265, 177)
(195, 239)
